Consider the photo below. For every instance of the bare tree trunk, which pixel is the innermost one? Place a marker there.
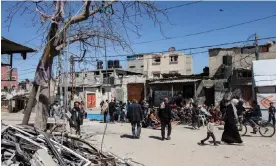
(41, 84)
(30, 105)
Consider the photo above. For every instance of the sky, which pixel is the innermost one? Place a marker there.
(198, 17)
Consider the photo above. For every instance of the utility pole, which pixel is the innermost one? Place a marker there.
(256, 47)
(145, 84)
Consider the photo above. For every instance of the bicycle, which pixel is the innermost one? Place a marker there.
(263, 127)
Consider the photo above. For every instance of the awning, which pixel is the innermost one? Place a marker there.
(9, 47)
(264, 72)
(174, 81)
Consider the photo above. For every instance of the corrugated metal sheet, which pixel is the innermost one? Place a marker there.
(174, 81)
(264, 72)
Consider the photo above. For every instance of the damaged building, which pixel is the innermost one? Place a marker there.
(94, 86)
(231, 69)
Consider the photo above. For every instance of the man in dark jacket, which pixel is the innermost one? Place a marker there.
(76, 118)
(165, 116)
(134, 115)
(112, 109)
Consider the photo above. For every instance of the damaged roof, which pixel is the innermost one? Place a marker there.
(174, 81)
(232, 48)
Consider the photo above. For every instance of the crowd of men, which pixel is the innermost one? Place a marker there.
(140, 115)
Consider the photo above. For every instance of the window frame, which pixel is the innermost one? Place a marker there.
(174, 59)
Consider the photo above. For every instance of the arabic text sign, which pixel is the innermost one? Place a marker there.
(265, 99)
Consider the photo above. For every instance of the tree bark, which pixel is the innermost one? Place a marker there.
(41, 84)
(30, 105)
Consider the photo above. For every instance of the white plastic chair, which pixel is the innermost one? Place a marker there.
(202, 119)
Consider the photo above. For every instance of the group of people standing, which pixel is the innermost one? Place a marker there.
(135, 115)
(116, 110)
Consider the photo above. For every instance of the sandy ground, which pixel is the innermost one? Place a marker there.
(182, 149)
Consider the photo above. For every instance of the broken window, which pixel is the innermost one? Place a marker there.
(244, 74)
(173, 59)
(157, 60)
(142, 66)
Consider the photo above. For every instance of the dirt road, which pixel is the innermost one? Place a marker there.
(181, 150)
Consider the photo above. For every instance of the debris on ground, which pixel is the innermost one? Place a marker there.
(23, 145)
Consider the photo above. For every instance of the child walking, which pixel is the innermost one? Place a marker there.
(210, 132)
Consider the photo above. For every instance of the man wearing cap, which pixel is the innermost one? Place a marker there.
(271, 112)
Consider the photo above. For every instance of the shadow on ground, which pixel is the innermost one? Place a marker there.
(189, 127)
(155, 137)
(127, 136)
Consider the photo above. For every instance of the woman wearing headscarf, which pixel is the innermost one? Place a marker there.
(231, 133)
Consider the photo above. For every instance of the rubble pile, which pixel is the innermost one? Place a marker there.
(23, 145)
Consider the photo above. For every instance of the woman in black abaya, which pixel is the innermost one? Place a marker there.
(231, 133)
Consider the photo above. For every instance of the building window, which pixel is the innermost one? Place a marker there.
(173, 59)
(85, 75)
(156, 75)
(76, 74)
(13, 78)
(5, 88)
(103, 91)
(142, 66)
(131, 67)
(156, 61)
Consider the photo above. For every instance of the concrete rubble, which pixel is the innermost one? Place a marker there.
(23, 145)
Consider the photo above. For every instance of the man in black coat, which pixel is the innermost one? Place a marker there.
(112, 109)
(165, 116)
(135, 115)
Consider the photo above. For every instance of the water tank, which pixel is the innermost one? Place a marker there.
(172, 49)
(100, 65)
(116, 64)
(109, 64)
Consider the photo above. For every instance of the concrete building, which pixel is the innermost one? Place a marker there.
(135, 63)
(94, 86)
(9, 49)
(154, 65)
(7, 80)
(231, 69)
